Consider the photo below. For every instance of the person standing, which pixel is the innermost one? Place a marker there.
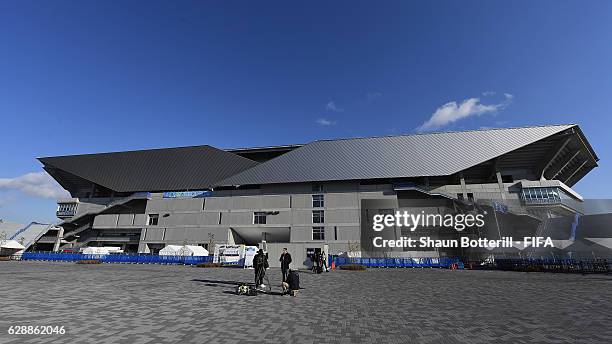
(260, 264)
(285, 260)
(316, 267)
(324, 261)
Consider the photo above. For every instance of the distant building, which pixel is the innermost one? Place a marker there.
(34, 236)
(309, 197)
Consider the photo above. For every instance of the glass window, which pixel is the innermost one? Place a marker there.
(318, 201)
(318, 216)
(153, 219)
(259, 218)
(318, 233)
(547, 195)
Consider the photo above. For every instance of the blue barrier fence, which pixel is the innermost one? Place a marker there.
(155, 259)
(117, 258)
(444, 262)
(554, 265)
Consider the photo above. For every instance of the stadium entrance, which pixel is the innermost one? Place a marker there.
(253, 236)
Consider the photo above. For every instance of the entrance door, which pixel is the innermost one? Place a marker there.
(310, 254)
(155, 248)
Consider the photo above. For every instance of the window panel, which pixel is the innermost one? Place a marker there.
(318, 216)
(259, 218)
(318, 233)
(153, 219)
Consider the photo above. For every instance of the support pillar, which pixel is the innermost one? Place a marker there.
(58, 240)
(463, 187)
(500, 182)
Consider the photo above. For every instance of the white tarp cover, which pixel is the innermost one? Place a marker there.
(11, 244)
(187, 250)
(10, 247)
(101, 250)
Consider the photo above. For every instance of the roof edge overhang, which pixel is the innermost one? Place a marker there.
(69, 177)
(586, 143)
(575, 128)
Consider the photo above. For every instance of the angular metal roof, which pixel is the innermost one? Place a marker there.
(26, 235)
(168, 169)
(433, 154)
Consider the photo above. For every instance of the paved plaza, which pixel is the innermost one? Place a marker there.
(114, 303)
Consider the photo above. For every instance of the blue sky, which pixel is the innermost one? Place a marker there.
(84, 77)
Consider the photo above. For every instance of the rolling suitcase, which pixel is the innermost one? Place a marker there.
(293, 280)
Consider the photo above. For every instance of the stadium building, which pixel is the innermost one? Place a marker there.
(309, 197)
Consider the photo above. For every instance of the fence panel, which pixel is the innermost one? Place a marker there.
(117, 258)
(548, 264)
(422, 262)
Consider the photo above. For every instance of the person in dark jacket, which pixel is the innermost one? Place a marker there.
(260, 264)
(316, 262)
(285, 260)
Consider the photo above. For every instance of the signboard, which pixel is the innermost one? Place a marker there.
(235, 254)
(500, 207)
(187, 194)
(249, 254)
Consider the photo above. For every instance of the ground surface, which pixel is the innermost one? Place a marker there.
(113, 303)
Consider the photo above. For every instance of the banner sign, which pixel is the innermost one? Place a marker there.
(186, 194)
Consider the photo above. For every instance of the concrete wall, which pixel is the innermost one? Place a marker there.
(196, 220)
(211, 219)
(91, 205)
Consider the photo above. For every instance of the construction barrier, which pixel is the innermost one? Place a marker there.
(444, 262)
(566, 265)
(117, 258)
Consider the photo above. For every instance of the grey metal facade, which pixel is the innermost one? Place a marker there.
(168, 169)
(437, 154)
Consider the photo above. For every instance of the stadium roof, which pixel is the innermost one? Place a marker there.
(168, 169)
(261, 154)
(433, 154)
(26, 235)
(560, 152)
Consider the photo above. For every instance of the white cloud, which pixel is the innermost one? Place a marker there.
(371, 96)
(331, 106)
(38, 184)
(452, 111)
(325, 122)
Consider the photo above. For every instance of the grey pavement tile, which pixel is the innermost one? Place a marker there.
(116, 303)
